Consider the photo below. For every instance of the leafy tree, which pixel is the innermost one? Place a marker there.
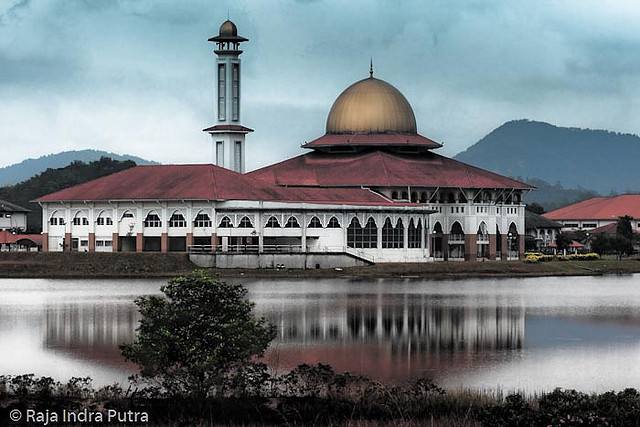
(535, 208)
(199, 337)
(624, 228)
(601, 244)
(562, 241)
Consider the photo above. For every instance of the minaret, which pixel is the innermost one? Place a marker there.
(228, 135)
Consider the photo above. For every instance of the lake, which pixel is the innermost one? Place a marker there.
(528, 334)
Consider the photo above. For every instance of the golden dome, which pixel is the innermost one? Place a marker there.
(228, 29)
(371, 106)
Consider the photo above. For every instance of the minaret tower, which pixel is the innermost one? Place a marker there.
(228, 135)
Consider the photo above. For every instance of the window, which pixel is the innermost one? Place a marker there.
(220, 153)
(392, 237)
(177, 221)
(405, 195)
(315, 223)
(358, 237)
(292, 222)
(226, 223)
(99, 243)
(108, 243)
(85, 221)
(202, 220)
(333, 223)
(245, 222)
(53, 221)
(423, 197)
(84, 243)
(235, 93)
(61, 221)
(100, 220)
(127, 215)
(571, 225)
(237, 156)
(76, 220)
(414, 197)
(415, 234)
(589, 225)
(152, 220)
(222, 91)
(109, 221)
(273, 222)
(394, 195)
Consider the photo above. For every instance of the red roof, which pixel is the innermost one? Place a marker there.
(576, 244)
(204, 182)
(379, 168)
(611, 228)
(377, 139)
(10, 238)
(599, 208)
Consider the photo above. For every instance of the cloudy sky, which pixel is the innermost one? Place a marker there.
(136, 76)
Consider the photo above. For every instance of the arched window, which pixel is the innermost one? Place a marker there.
(104, 219)
(225, 222)
(456, 233)
(394, 195)
(482, 229)
(405, 195)
(273, 222)
(292, 222)
(358, 237)
(56, 219)
(333, 223)
(451, 198)
(414, 197)
(424, 198)
(202, 220)
(127, 214)
(177, 220)
(80, 219)
(315, 223)
(392, 237)
(437, 228)
(152, 220)
(415, 234)
(245, 222)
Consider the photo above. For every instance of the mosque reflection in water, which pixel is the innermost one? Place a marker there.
(387, 336)
(393, 336)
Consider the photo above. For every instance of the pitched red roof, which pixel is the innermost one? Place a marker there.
(376, 140)
(204, 182)
(379, 168)
(603, 208)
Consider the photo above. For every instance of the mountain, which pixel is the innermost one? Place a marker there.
(56, 179)
(553, 196)
(24, 170)
(597, 160)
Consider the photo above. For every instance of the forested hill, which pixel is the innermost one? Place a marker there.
(56, 179)
(24, 170)
(596, 160)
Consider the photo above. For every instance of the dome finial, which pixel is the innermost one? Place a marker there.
(371, 68)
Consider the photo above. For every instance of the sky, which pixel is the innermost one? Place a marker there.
(136, 76)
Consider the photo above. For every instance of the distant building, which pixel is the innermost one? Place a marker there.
(543, 230)
(597, 212)
(372, 188)
(16, 242)
(12, 217)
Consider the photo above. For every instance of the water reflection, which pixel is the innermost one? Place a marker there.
(530, 333)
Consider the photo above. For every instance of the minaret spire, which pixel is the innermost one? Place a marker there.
(371, 68)
(228, 134)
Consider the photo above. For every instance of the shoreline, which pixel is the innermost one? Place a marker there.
(154, 265)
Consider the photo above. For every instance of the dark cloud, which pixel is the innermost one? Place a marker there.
(141, 71)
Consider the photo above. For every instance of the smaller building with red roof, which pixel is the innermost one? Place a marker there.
(598, 212)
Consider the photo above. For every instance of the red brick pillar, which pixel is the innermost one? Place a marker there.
(115, 242)
(492, 246)
(164, 243)
(214, 242)
(45, 242)
(505, 246)
(445, 247)
(92, 242)
(139, 242)
(67, 242)
(189, 240)
(521, 246)
(470, 247)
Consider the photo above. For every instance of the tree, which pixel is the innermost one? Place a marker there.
(193, 341)
(601, 244)
(624, 228)
(562, 241)
(534, 207)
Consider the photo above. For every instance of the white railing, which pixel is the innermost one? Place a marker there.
(483, 238)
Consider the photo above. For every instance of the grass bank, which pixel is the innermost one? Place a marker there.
(147, 265)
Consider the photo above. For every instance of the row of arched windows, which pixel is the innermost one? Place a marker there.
(453, 197)
(456, 229)
(392, 236)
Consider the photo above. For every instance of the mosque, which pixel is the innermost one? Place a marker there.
(371, 189)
